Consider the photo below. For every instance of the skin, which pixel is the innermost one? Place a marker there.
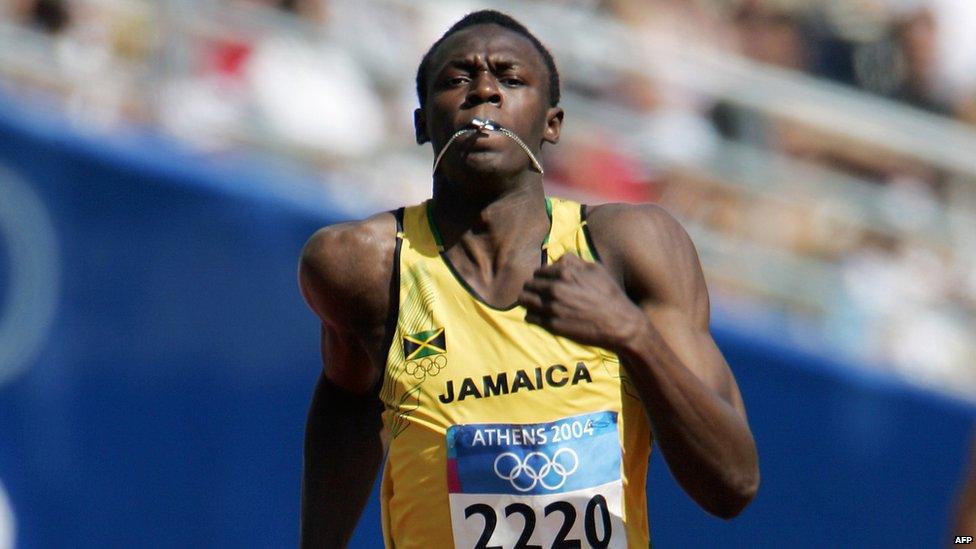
(964, 521)
(647, 300)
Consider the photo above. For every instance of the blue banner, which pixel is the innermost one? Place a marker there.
(540, 458)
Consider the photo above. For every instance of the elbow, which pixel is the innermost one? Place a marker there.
(735, 497)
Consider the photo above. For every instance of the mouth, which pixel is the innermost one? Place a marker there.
(477, 126)
(477, 135)
(482, 141)
(485, 125)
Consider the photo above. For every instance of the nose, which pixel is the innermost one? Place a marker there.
(484, 89)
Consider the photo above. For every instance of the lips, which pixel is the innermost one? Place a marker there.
(483, 124)
(481, 141)
(476, 136)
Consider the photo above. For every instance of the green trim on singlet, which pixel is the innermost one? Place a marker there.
(584, 213)
(457, 276)
(549, 215)
(440, 242)
(433, 227)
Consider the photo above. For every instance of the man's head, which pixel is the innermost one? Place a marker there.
(488, 17)
(488, 66)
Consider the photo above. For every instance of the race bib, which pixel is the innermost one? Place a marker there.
(553, 484)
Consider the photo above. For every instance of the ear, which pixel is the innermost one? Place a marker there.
(554, 125)
(420, 126)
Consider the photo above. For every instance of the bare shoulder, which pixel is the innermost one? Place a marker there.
(345, 271)
(649, 250)
(623, 230)
(644, 217)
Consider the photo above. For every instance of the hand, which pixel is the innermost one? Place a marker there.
(581, 301)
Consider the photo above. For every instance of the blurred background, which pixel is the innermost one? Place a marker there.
(162, 162)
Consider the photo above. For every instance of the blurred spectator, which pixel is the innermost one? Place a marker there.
(916, 36)
(50, 16)
(209, 106)
(597, 168)
(301, 92)
(315, 98)
(770, 35)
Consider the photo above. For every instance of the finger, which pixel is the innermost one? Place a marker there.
(541, 286)
(552, 325)
(537, 319)
(532, 302)
(562, 267)
(551, 271)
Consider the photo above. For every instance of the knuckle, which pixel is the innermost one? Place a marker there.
(558, 291)
(544, 291)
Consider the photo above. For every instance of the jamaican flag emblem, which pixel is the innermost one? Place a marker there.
(424, 344)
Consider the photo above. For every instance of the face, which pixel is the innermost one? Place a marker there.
(487, 71)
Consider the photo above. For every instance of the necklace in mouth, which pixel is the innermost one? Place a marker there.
(479, 125)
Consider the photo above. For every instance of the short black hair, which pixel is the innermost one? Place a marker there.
(489, 17)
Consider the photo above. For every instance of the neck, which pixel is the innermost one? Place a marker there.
(492, 231)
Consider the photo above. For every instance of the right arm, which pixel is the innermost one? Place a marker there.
(345, 275)
(965, 518)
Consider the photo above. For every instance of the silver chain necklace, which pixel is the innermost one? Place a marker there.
(492, 126)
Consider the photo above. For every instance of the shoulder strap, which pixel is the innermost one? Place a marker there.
(587, 235)
(394, 308)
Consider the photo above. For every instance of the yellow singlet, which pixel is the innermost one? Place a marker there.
(500, 433)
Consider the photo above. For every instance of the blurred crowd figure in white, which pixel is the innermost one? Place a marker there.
(314, 97)
(304, 94)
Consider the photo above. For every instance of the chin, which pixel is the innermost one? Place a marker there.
(482, 167)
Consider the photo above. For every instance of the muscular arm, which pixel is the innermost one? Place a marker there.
(686, 386)
(655, 317)
(345, 278)
(965, 517)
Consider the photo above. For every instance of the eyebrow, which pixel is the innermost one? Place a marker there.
(498, 62)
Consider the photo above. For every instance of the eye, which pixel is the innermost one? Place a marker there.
(512, 81)
(457, 81)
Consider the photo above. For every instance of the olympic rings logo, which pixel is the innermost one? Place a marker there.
(429, 366)
(536, 468)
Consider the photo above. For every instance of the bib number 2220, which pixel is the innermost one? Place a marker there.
(596, 523)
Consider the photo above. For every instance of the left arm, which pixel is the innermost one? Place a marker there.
(965, 516)
(655, 317)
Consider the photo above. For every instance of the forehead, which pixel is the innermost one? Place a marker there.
(487, 41)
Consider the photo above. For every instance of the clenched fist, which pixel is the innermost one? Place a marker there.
(581, 301)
